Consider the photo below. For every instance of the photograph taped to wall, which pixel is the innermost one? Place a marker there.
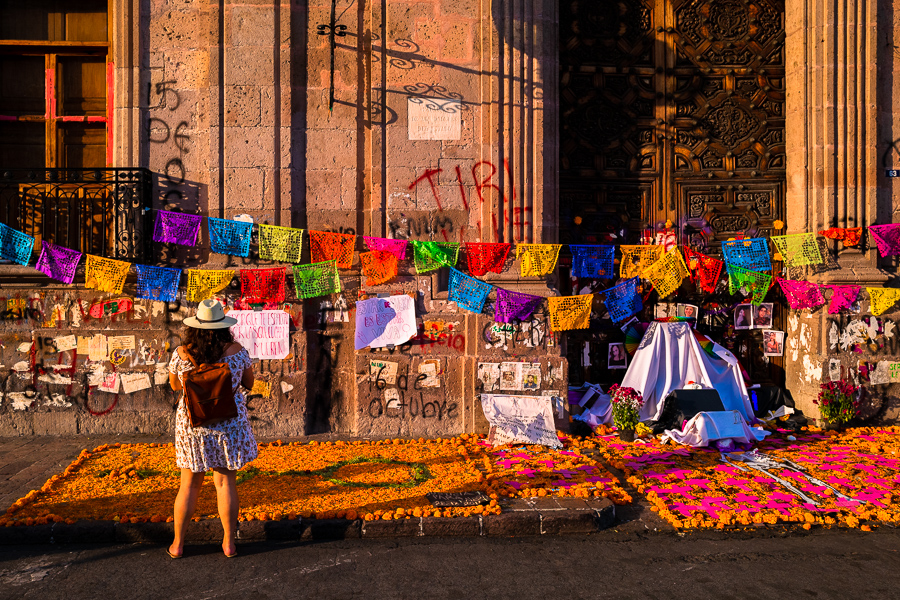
(489, 375)
(773, 343)
(618, 357)
(687, 310)
(531, 376)
(762, 316)
(834, 369)
(743, 316)
(664, 310)
(511, 376)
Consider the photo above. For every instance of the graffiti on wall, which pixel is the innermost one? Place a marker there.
(484, 176)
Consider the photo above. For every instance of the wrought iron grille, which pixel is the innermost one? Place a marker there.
(97, 211)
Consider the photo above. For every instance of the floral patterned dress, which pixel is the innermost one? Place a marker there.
(228, 444)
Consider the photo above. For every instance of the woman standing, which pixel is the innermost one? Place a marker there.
(222, 447)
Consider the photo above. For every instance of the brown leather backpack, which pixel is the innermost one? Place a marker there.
(208, 393)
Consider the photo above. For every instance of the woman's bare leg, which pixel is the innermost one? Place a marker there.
(185, 503)
(226, 493)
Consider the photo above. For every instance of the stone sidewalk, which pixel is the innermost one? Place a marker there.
(26, 463)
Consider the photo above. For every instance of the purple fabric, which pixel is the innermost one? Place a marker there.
(514, 306)
(57, 262)
(842, 297)
(887, 237)
(176, 228)
(395, 247)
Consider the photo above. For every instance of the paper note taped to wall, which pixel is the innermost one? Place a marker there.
(65, 342)
(520, 419)
(428, 374)
(383, 372)
(135, 382)
(109, 383)
(260, 388)
(264, 333)
(97, 349)
(385, 321)
(160, 377)
(120, 342)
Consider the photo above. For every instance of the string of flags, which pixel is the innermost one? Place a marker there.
(746, 262)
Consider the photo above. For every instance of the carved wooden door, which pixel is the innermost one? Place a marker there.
(673, 110)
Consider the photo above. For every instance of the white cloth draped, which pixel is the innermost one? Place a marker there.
(706, 427)
(669, 356)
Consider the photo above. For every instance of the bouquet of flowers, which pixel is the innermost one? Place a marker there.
(626, 407)
(837, 401)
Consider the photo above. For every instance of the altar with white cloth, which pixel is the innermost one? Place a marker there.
(669, 356)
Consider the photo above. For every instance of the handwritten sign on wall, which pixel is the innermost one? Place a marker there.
(264, 333)
(385, 321)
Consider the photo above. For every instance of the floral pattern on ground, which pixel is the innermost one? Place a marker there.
(385, 479)
(822, 478)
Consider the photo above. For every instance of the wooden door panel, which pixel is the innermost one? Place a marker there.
(672, 110)
(81, 85)
(715, 212)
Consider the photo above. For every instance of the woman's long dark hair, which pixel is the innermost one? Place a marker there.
(206, 345)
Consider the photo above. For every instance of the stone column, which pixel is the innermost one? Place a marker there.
(832, 59)
(521, 141)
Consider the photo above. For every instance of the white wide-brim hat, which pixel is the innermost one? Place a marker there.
(210, 315)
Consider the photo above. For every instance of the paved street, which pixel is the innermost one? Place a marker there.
(823, 564)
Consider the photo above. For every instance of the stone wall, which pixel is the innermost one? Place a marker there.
(227, 103)
(840, 89)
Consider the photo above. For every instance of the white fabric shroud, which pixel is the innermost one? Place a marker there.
(706, 427)
(669, 356)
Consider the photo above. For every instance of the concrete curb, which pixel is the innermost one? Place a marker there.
(523, 518)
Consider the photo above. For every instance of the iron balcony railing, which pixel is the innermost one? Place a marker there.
(97, 211)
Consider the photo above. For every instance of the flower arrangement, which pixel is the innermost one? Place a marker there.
(837, 401)
(626, 407)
